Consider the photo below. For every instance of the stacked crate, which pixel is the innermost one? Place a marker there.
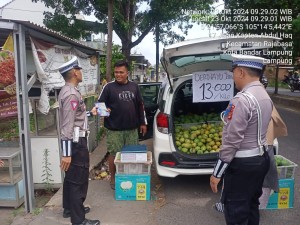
(11, 178)
(285, 197)
(133, 173)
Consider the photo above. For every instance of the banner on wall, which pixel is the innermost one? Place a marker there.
(48, 57)
(8, 99)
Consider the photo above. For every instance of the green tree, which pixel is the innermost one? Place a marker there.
(296, 38)
(259, 11)
(244, 15)
(131, 17)
(116, 56)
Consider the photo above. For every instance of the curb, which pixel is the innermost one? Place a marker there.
(286, 101)
(54, 205)
(96, 157)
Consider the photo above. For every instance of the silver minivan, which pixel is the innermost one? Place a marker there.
(187, 126)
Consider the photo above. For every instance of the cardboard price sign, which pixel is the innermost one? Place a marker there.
(213, 86)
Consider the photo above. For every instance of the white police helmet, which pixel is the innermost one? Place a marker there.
(248, 61)
(71, 64)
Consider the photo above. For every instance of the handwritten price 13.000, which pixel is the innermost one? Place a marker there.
(209, 91)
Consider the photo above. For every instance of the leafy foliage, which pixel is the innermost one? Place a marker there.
(296, 40)
(9, 128)
(47, 172)
(116, 56)
(262, 12)
(131, 17)
(67, 26)
(100, 133)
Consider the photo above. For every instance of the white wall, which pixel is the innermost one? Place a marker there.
(38, 145)
(25, 10)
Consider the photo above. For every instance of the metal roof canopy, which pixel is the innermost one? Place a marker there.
(21, 31)
(44, 33)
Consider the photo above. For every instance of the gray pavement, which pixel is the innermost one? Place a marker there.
(101, 200)
(101, 197)
(286, 101)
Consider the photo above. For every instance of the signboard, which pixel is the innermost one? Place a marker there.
(8, 99)
(49, 57)
(134, 157)
(213, 86)
(8, 107)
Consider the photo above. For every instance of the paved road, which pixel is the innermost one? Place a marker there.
(284, 91)
(185, 200)
(189, 199)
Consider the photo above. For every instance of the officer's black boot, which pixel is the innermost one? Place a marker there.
(88, 222)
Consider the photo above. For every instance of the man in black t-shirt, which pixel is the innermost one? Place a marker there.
(125, 104)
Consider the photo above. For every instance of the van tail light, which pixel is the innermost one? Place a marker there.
(168, 163)
(162, 122)
(167, 160)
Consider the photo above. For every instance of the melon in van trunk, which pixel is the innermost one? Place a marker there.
(199, 139)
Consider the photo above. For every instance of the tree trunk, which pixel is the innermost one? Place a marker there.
(126, 52)
(126, 49)
(109, 39)
(129, 16)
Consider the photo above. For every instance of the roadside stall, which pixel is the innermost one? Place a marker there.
(29, 87)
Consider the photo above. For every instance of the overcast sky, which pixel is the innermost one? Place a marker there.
(147, 46)
(3, 2)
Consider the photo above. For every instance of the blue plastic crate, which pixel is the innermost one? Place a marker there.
(284, 199)
(132, 187)
(12, 192)
(12, 195)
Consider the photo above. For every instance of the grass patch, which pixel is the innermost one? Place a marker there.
(18, 211)
(100, 134)
(37, 211)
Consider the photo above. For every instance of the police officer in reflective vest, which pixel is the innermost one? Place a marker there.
(75, 156)
(243, 161)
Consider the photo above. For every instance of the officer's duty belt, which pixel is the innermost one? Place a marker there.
(82, 133)
(248, 153)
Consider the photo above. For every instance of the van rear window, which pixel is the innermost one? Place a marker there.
(192, 59)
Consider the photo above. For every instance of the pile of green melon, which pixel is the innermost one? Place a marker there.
(285, 168)
(200, 138)
(196, 118)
